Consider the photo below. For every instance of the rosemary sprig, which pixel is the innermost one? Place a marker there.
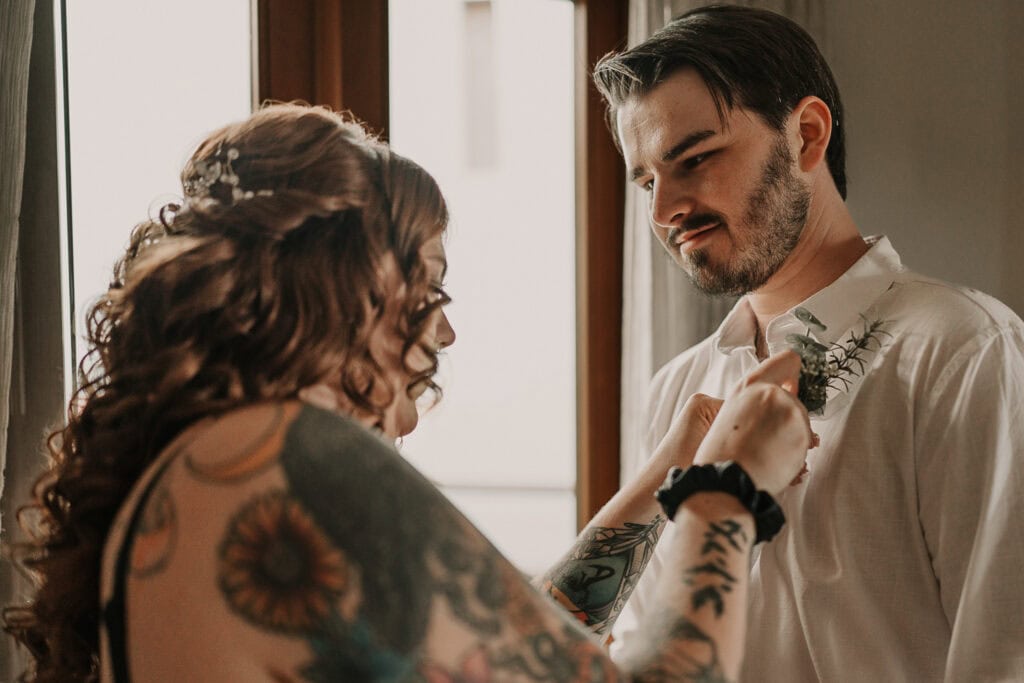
(831, 367)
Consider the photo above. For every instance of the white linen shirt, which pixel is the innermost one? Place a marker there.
(902, 558)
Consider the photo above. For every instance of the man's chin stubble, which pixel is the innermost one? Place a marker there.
(709, 280)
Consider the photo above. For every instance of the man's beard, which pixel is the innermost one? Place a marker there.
(775, 218)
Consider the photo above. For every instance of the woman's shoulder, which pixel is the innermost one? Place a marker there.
(236, 535)
(267, 451)
(246, 441)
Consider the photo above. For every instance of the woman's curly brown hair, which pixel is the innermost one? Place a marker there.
(229, 299)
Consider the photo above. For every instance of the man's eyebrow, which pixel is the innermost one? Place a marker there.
(679, 148)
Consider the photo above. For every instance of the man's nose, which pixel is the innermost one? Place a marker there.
(670, 204)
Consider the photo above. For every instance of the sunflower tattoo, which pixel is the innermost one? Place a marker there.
(278, 569)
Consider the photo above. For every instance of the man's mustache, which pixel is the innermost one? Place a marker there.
(694, 222)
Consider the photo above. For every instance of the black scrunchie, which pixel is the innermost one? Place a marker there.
(727, 477)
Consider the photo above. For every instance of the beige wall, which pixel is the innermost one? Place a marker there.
(934, 93)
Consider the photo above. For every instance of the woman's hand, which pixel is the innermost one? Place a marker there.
(688, 429)
(763, 426)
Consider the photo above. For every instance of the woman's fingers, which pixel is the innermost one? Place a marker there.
(790, 396)
(782, 369)
(688, 430)
(704, 408)
(764, 428)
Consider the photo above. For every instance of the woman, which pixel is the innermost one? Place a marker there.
(226, 504)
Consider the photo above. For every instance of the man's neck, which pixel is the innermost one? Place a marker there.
(829, 245)
(760, 344)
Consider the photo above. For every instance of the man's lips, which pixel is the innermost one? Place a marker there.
(684, 239)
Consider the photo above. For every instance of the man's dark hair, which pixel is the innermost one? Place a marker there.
(750, 58)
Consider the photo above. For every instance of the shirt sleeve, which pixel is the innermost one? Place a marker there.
(971, 503)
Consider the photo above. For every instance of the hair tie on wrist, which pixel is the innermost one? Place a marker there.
(726, 477)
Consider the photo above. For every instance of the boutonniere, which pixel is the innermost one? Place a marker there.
(834, 366)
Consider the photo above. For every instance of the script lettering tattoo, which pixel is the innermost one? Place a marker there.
(598, 575)
(711, 579)
(675, 645)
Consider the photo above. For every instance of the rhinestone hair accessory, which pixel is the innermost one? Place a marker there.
(217, 169)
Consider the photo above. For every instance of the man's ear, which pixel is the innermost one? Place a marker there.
(814, 125)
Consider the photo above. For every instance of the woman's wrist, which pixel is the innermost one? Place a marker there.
(717, 510)
(646, 484)
(728, 478)
(713, 505)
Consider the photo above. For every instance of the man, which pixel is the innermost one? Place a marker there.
(902, 557)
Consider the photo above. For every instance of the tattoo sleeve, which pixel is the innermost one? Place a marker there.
(599, 573)
(366, 563)
(350, 566)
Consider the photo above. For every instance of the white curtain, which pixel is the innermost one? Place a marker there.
(663, 314)
(15, 49)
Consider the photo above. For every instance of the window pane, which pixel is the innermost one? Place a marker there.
(532, 527)
(147, 79)
(482, 96)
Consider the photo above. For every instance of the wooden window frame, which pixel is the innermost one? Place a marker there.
(601, 26)
(335, 52)
(332, 52)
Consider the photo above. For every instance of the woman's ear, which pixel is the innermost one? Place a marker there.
(814, 125)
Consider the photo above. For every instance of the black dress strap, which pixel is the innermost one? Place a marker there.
(114, 615)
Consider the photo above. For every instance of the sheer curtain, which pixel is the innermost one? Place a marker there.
(663, 314)
(15, 49)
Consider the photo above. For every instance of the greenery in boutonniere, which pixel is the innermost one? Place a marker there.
(831, 367)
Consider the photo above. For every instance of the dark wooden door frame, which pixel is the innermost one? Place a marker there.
(335, 52)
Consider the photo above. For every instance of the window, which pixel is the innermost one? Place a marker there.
(147, 79)
(493, 122)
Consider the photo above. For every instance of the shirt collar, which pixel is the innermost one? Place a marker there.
(838, 306)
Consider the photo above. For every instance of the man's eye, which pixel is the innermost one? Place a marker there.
(648, 186)
(696, 160)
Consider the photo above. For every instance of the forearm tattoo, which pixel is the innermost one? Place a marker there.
(675, 647)
(688, 655)
(600, 572)
(711, 578)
